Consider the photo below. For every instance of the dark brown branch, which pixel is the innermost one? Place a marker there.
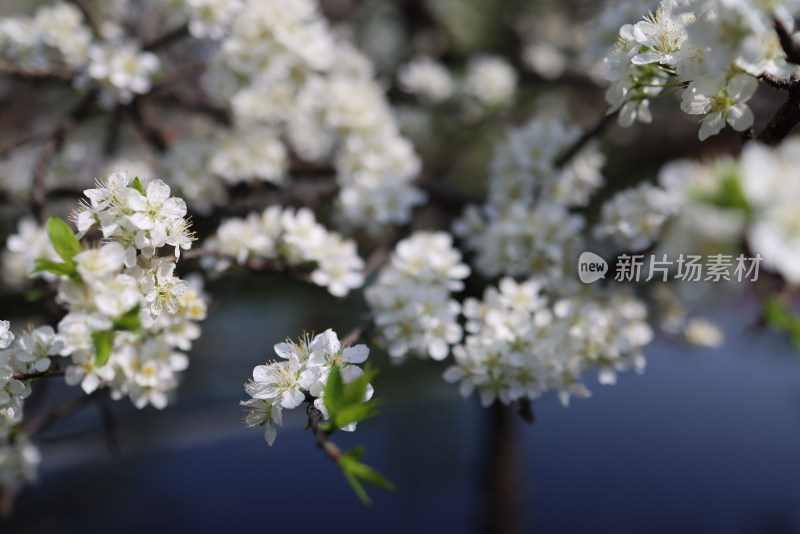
(787, 116)
(168, 38)
(790, 47)
(503, 483)
(219, 114)
(25, 71)
(109, 423)
(778, 83)
(43, 374)
(149, 131)
(445, 195)
(357, 333)
(87, 16)
(22, 141)
(64, 411)
(324, 442)
(39, 193)
(256, 265)
(576, 147)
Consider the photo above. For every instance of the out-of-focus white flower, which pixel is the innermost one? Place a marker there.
(427, 79)
(491, 80)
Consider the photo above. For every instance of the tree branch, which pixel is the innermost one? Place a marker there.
(583, 140)
(43, 374)
(26, 71)
(87, 16)
(64, 411)
(324, 442)
(787, 116)
(256, 265)
(790, 47)
(168, 38)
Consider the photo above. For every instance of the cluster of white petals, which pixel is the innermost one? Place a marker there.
(753, 197)
(710, 52)
(527, 226)
(521, 344)
(411, 300)
(291, 236)
(128, 297)
(634, 217)
(27, 354)
(303, 370)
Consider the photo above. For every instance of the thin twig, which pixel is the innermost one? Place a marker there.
(64, 411)
(787, 116)
(168, 38)
(790, 47)
(778, 83)
(357, 333)
(39, 192)
(43, 374)
(109, 424)
(256, 265)
(87, 16)
(149, 131)
(324, 442)
(584, 139)
(27, 71)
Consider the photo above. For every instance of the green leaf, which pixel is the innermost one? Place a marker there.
(371, 476)
(334, 391)
(355, 472)
(775, 314)
(130, 321)
(138, 186)
(63, 239)
(354, 482)
(355, 413)
(50, 266)
(103, 341)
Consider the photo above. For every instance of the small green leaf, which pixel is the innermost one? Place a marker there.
(138, 186)
(103, 341)
(355, 413)
(63, 239)
(50, 266)
(371, 476)
(334, 391)
(130, 321)
(351, 478)
(355, 472)
(775, 314)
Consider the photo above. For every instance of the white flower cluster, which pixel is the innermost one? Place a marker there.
(411, 300)
(30, 353)
(427, 79)
(121, 70)
(129, 315)
(294, 237)
(304, 370)
(210, 18)
(491, 80)
(633, 218)
(290, 81)
(55, 34)
(526, 227)
(711, 52)
(753, 197)
(520, 344)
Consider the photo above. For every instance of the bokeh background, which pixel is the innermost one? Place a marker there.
(707, 440)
